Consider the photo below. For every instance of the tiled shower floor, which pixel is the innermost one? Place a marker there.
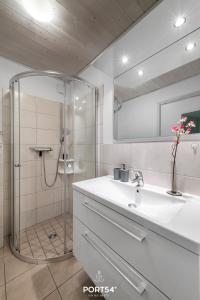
(35, 241)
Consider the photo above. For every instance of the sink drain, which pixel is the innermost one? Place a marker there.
(52, 235)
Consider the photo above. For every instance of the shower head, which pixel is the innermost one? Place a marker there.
(117, 104)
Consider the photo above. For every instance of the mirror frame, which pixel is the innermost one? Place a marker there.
(189, 137)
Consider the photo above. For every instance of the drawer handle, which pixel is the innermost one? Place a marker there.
(139, 289)
(140, 239)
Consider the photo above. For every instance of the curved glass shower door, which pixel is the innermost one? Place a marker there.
(15, 162)
(53, 145)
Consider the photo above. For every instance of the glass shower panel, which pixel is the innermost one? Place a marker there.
(84, 138)
(53, 145)
(15, 162)
(42, 182)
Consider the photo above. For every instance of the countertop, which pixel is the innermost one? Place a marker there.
(183, 229)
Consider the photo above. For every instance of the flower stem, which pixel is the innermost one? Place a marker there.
(174, 165)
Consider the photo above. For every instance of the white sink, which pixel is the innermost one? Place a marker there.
(150, 201)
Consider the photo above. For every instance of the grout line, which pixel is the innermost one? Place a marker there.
(69, 278)
(21, 274)
(5, 284)
(40, 243)
(54, 280)
(51, 294)
(25, 231)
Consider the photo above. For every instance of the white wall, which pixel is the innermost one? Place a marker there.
(43, 87)
(100, 79)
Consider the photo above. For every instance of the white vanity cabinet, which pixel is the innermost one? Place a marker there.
(139, 262)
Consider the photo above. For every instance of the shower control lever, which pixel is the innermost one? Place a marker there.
(17, 165)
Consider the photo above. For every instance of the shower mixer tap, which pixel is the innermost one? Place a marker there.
(40, 150)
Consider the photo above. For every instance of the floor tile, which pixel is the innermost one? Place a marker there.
(73, 288)
(36, 238)
(15, 267)
(35, 284)
(2, 279)
(54, 296)
(62, 271)
(6, 248)
(1, 252)
(2, 293)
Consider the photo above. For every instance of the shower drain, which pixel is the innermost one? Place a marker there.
(52, 235)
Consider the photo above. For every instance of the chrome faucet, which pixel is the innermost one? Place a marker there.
(138, 178)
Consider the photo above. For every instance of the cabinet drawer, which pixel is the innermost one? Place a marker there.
(168, 266)
(109, 270)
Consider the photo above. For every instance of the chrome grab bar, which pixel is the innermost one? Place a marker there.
(139, 289)
(139, 239)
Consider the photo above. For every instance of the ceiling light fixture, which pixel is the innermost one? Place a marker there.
(41, 11)
(124, 59)
(84, 101)
(140, 73)
(190, 46)
(76, 98)
(179, 22)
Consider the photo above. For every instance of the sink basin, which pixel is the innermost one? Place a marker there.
(150, 201)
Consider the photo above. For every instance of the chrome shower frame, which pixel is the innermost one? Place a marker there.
(16, 80)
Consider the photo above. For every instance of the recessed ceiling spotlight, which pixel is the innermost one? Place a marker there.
(84, 101)
(190, 46)
(124, 59)
(80, 108)
(41, 11)
(179, 22)
(140, 73)
(76, 98)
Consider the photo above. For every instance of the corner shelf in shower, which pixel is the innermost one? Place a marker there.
(67, 160)
(66, 167)
(61, 172)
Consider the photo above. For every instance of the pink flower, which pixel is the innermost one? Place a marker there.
(188, 131)
(191, 124)
(182, 120)
(175, 129)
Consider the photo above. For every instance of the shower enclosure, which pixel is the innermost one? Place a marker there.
(53, 144)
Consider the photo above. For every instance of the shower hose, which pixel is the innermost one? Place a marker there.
(44, 168)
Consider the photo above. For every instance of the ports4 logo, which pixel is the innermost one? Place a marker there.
(99, 288)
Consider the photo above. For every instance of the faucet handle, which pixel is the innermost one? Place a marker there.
(138, 173)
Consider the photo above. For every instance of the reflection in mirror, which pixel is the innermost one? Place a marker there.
(153, 95)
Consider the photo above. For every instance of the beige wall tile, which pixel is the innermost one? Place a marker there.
(28, 202)
(27, 102)
(51, 165)
(28, 136)
(28, 169)
(45, 198)
(45, 121)
(47, 107)
(48, 137)
(27, 186)
(27, 119)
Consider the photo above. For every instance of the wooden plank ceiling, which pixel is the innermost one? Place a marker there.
(80, 30)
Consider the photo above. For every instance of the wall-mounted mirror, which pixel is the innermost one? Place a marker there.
(153, 95)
